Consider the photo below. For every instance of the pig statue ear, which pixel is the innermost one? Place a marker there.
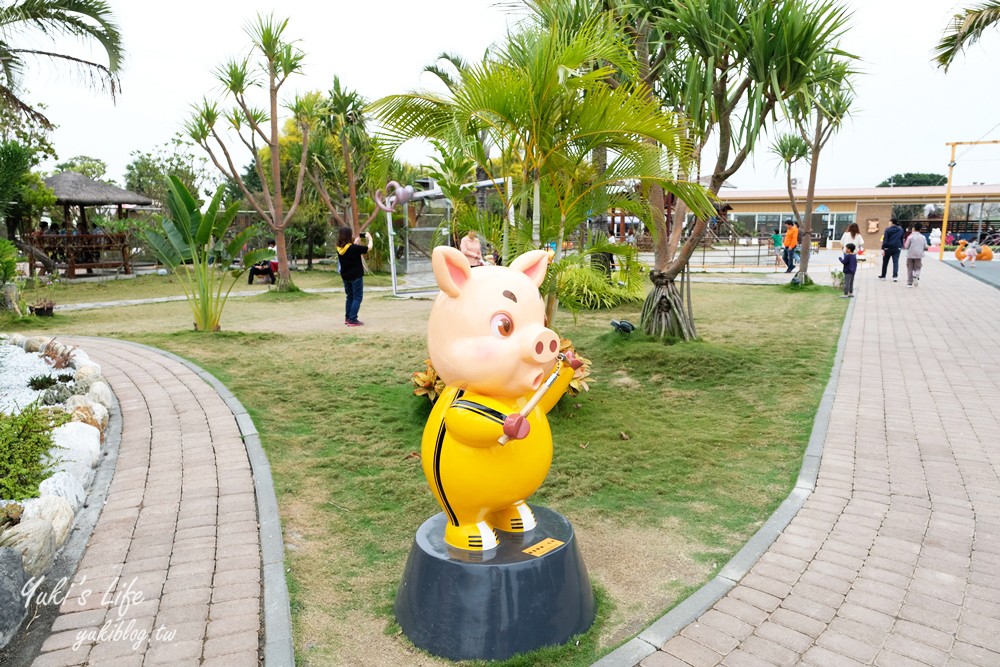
(533, 264)
(451, 269)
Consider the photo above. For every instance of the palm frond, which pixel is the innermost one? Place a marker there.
(966, 28)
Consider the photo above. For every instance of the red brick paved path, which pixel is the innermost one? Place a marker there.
(179, 527)
(895, 558)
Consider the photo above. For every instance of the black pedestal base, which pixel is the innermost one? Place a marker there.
(493, 605)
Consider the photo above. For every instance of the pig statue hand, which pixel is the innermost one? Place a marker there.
(488, 341)
(516, 427)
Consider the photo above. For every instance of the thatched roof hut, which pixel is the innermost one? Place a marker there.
(75, 189)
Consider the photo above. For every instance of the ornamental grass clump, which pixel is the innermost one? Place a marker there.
(25, 441)
(194, 246)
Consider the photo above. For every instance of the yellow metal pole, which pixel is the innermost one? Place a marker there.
(947, 202)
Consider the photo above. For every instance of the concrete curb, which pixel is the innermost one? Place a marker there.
(278, 648)
(958, 267)
(661, 631)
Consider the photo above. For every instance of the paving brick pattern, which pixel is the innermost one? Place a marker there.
(895, 558)
(171, 575)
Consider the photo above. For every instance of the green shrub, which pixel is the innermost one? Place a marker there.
(8, 261)
(582, 287)
(40, 382)
(25, 440)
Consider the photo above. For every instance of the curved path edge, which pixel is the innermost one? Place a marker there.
(278, 647)
(648, 642)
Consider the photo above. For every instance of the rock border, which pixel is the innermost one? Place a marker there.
(24, 645)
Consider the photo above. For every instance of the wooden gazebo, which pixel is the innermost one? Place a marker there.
(80, 248)
(75, 189)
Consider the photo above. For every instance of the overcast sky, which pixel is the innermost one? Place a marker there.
(906, 109)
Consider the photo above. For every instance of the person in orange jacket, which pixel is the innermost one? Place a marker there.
(790, 243)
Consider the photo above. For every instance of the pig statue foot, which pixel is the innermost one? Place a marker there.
(518, 518)
(471, 536)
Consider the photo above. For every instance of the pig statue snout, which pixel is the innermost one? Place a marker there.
(545, 346)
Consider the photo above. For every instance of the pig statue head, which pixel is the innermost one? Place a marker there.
(487, 330)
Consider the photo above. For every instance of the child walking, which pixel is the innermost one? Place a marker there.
(352, 272)
(850, 261)
(916, 245)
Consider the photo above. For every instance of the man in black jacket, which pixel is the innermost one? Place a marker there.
(892, 243)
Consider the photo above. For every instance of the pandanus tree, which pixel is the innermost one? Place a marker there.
(25, 25)
(816, 112)
(731, 63)
(791, 148)
(257, 128)
(965, 29)
(448, 68)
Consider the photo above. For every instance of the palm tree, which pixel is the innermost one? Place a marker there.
(966, 28)
(448, 68)
(27, 21)
(541, 96)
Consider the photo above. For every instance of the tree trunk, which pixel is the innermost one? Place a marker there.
(352, 186)
(552, 300)
(283, 280)
(665, 314)
(660, 250)
(481, 175)
(10, 299)
(536, 213)
(39, 256)
(806, 235)
(600, 160)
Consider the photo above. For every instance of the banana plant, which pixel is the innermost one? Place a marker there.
(194, 246)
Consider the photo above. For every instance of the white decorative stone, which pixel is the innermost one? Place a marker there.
(53, 509)
(88, 412)
(100, 392)
(35, 540)
(76, 401)
(16, 339)
(36, 343)
(81, 358)
(65, 486)
(76, 450)
(87, 372)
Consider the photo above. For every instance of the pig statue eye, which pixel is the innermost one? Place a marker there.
(502, 325)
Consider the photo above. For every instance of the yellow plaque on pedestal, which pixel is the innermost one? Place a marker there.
(543, 547)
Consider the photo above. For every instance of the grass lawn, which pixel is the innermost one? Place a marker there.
(151, 286)
(666, 467)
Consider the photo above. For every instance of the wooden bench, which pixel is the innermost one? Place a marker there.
(85, 251)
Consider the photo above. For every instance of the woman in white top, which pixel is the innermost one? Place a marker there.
(853, 235)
